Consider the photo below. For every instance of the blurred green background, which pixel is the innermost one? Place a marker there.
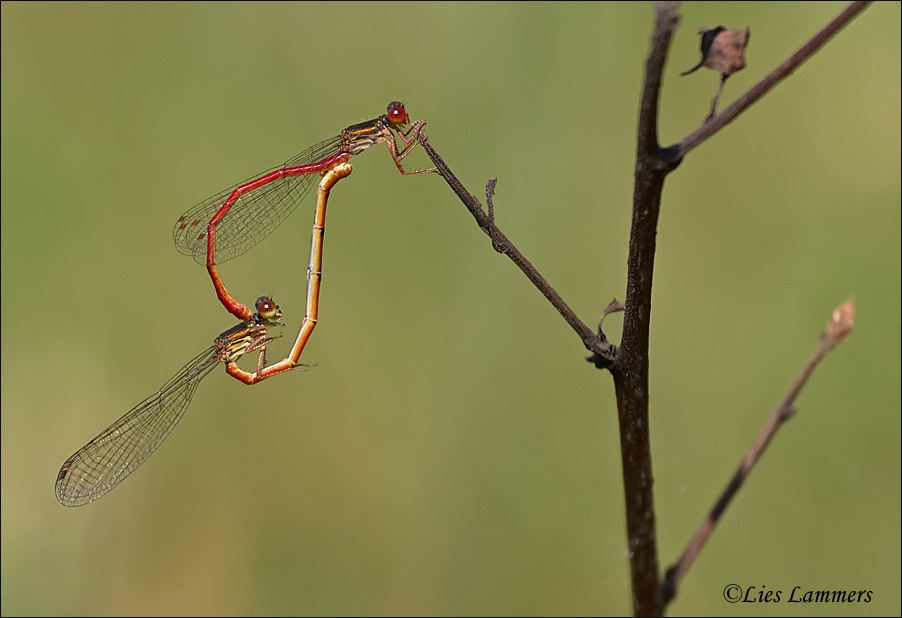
(452, 452)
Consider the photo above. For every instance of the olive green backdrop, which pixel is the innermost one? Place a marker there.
(452, 452)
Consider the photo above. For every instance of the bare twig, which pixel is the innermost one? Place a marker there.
(502, 245)
(839, 328)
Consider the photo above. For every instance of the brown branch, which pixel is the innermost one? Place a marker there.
(629, 363)
(631, 370)
(839, 328)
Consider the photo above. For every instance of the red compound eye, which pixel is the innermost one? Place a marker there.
(397, 114)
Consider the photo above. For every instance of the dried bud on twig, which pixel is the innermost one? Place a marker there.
(839, 328)
(723, 50)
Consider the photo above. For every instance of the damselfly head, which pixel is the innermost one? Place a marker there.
(268, 309)
(397, 114)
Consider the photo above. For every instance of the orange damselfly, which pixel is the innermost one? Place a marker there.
(232, 221)
(108, 459)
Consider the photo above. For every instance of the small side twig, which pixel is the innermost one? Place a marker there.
(489, 194)
(615, 306)
(839, 328)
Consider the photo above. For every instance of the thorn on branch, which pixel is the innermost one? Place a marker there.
(489, 194)
(788, 413)
(499, 243)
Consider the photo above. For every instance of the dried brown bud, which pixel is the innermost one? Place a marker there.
(723, 50)
(841, 320)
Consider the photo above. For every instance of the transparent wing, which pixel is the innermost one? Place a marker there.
(105, 461)
(255, 215)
